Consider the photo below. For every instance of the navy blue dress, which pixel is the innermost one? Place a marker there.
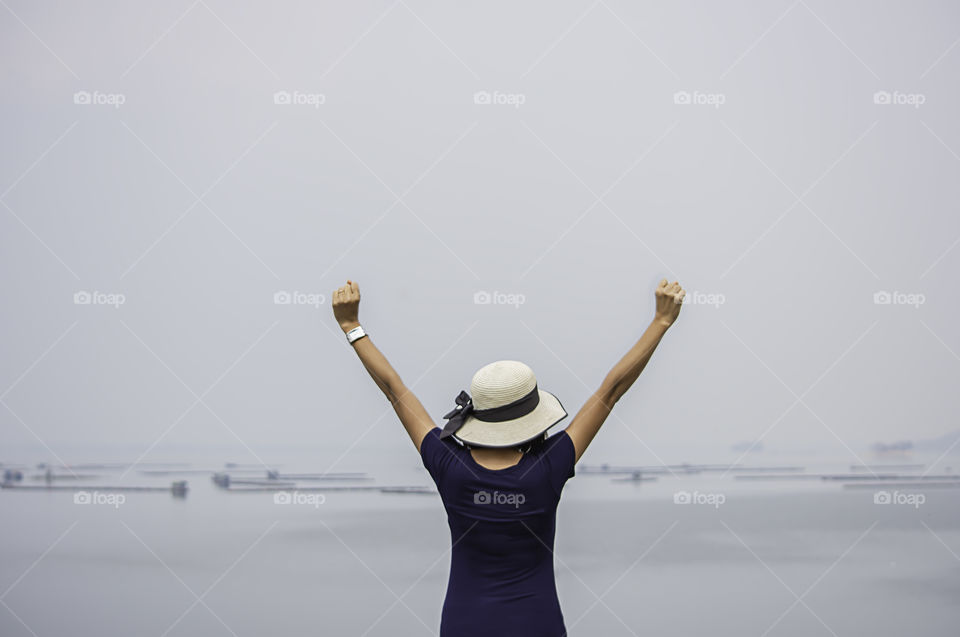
(502, 524)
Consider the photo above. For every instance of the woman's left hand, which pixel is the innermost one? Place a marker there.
(346, 305)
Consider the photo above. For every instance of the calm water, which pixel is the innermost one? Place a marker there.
(629, 561)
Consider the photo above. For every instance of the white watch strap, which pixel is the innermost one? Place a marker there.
(355, 333)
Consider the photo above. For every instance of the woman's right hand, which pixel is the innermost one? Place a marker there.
(669, 299)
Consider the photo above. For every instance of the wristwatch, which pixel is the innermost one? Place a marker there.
(355, 333)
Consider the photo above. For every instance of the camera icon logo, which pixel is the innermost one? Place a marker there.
(481, 497)
(282, 298)
(82, 298)
(282, 97)
(681, 497)
(881, 497)
(882, 97)
(681, 97)
(482, 97)
(282, 497)
(481, 297)
(81, 497)
(882, 297)
(82, 97)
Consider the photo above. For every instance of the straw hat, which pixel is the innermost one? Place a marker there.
(505, 407)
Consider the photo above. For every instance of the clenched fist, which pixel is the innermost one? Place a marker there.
(346, 305)
(669, 299)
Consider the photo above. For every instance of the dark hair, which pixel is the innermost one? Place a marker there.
(530, 446)
(533, 445)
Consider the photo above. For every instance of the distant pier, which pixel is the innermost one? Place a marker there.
(178, 488)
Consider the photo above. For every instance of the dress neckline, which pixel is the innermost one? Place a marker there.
(501, 470)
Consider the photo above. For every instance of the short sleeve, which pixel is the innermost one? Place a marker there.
(559, 457)
(436, 454)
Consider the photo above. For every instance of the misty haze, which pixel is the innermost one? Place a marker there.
(190, 446)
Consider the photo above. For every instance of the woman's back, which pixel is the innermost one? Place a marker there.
(502, 521)
(502, 525)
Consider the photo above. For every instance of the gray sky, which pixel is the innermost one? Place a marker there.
(545, 151)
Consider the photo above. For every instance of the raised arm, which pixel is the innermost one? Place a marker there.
(346, 305)
(594, 412)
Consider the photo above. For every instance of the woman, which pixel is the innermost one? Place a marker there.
(500, 476)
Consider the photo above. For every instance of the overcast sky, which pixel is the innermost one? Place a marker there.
(172, 170)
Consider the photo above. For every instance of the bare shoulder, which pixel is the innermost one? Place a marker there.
(588, 420)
